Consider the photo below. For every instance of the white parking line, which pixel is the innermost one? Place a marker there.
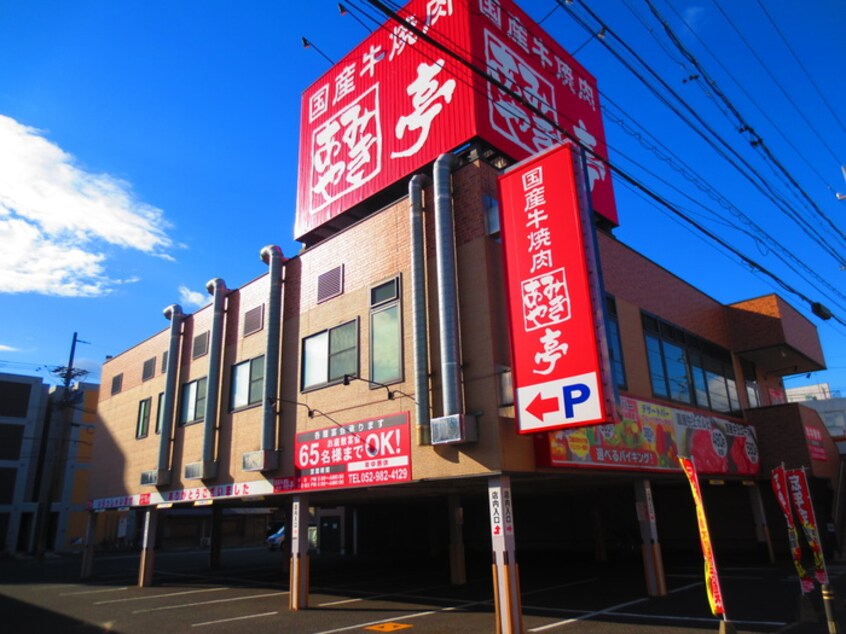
(369, 597)
(586, 615)
(236, 618)
(98, 591)
(403, 618)
(158, 596)
(191, 605)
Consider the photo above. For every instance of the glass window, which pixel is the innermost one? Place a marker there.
(615, 347)
(329, 355)
(148, 371)
(675, 358)
(117, 383)
(656, 366)
(142, 425)
(193, 401)
(160, 413)
(247, 383)
(386, 344)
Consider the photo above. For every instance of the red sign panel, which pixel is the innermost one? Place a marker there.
(396, 102)
(365, 453)
(555, 359)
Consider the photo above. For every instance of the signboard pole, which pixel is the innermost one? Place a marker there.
(653, 562)
(148, 546)
(299, 582)
(88, 548)
(506, 581)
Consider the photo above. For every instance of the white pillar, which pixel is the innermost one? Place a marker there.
(299, 583)
(653, 563)
(148, 548)
(507, 602)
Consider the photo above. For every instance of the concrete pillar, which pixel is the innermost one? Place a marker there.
(299, 584)
(762, 531)
(148, 548)
(88, 546)
(506, 579)
(653, 563)
(457, 561)
(216, 537)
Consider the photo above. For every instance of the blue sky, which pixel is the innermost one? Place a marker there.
(147, 147)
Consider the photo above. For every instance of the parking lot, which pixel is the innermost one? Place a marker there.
(250, 590)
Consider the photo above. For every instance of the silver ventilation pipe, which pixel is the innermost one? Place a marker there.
(175, 315)
(418, 309)
(217, 288)
(447, 286)
(272, 256)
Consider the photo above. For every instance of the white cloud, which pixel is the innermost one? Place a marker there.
(187, 297)
(4, 348)
(56, 219)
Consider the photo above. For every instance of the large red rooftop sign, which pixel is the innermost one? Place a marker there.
(397, 101)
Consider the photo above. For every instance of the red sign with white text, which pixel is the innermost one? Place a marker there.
(556, 365)
(397, 102)
(365, 453)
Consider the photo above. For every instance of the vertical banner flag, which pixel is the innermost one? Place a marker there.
(779, 483)
(712, 580)
(556, 363)
(800, 495)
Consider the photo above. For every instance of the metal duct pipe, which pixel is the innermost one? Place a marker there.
(420, 327)
(447, 286)
(175, 315)
(217, 288)
(272, 256)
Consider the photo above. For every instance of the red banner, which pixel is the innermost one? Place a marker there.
(712, 580)
(365, 453)
(800, 495)
(556, 366)
(779, 483)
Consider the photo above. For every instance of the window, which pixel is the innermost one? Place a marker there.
(14, 398)
(247, 383)
(149, 369)
(615, 346)
(11, 440)
(164, 361)
(329, 355)
(160, 413)
(253, 320)
(117, 383)
(687, 369)
(386, 333)
(142, 426)
(193, 401)
(200, 345)
(751, 381)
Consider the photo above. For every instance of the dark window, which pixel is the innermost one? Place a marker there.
(330, 284)
(201, 345)
(164, 361)
(253, 320)
(14, 398)
(142, 425)
(117, 383)
(7, 484)
(193, 401)
(687, 369)
(386, 333)
(615, 346)
(11, 439)
(247, 383)
(329, 355)
(149, 370)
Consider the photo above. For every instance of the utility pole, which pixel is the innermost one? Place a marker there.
(53, 447)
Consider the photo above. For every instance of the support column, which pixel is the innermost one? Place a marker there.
(457, 561)
(148, 548)
(653, 563)
(506, 580)
(762, 531)
(216, 537)
(88, 547)
(299, 584)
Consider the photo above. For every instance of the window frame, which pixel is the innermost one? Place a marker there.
(187, 398)
(251, 381)
(329, 379)
(615, 344)
(142, 421)
(379, 305)
(159, 412)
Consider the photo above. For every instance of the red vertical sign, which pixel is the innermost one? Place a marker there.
(800, 495)
(556, 365)
(780, 489)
